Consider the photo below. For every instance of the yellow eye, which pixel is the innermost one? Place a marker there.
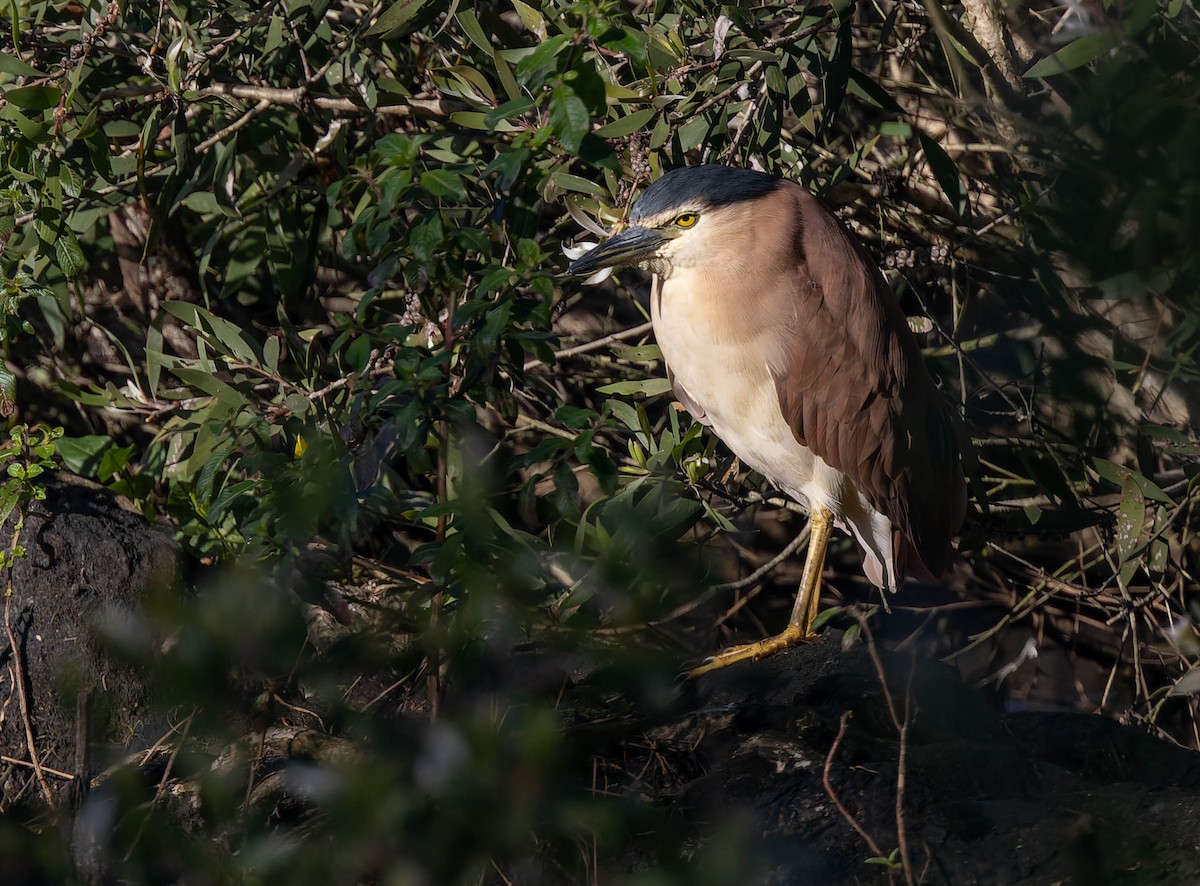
(686, 219)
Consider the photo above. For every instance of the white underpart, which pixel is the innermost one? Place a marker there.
(725, 368)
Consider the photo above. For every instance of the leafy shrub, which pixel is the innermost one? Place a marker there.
(287, 275)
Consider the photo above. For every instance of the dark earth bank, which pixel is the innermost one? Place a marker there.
(748, 755)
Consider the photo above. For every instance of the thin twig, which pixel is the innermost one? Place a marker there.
(300, 95)
(632, 332)
(183, 729)
(901, 726)
(18, 677)
(791, 547)
(57, 773)
(901, 769)
(707, 594)
(871, 844)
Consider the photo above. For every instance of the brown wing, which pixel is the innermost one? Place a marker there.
(855, 390)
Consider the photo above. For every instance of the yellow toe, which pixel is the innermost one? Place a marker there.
(792, 636)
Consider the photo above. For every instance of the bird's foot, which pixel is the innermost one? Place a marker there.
(793, 635)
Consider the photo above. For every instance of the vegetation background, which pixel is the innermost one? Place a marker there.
(285, 276)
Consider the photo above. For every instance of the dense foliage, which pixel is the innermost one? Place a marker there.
(287, 275)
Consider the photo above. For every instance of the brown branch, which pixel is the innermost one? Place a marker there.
(988, 26)
(57, 773)
(162, 782)
(901, 726)
(841, 733)
(901, 768)
(266, 96)
(951, 32)
(300, 95)
(754, 576)
(18, 676)
(240, 123)
(632, 332)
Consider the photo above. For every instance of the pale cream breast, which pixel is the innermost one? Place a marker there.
(722, 362)
(719, 351)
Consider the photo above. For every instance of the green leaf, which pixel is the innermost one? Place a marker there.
(541, 59)
(34, 98)
(568, 117)
(624, 413)
(113, 461)
(230, 336)
(274, 35)
(81, 455)
(651, 387)
(639, 354)
(946, 173)
(68, 255)
(566, 182)
(227, 395)
(396, 16)
(471, 27)
(530, 18)
(270, 358)
(1120, 475)
(628, 124)
(826, 615)
(1131, 516)
(444, 184)
(426, 236)
(1075, 54)
(10, 496)
(202, 202)
(895, 129)
(508, 111)
(692, 133)
(10, 64)
(8, 391)
(863, 84)
(397, 149)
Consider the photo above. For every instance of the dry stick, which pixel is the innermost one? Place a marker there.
(871, 844)
(57, 773)
(632, 332)
(901, 764)
(18, 675)
(749, 580)
(240, 123)
(254, 764)
(295, 96)
(434, 682)
(902, 731)
(162, 784)
(271, 96)
(790, 548)
(753, 577)
(300, 95)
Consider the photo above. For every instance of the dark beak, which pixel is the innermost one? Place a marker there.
(630, 247)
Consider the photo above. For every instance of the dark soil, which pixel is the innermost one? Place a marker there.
(88, 563)
(989, 798)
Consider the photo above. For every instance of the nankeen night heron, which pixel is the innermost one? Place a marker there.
(780, 333)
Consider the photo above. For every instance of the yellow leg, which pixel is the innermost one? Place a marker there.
(804, 611)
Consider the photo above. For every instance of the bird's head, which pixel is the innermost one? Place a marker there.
(680, 220)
